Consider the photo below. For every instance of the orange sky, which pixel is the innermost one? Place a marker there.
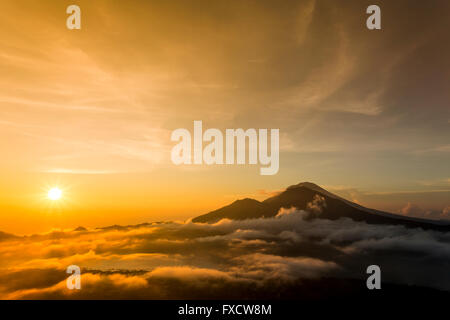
(362, 113)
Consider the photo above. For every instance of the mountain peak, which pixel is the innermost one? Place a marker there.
(240, 209)
(246, 200)
(305, 184)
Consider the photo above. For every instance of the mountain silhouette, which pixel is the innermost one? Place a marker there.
(6, 236)
(321, 203)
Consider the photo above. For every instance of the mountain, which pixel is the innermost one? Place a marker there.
(6, 236)
(333, 207)
(238, 210)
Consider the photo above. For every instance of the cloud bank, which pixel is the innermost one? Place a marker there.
(253, 258)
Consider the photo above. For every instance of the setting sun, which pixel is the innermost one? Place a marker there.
(54, 194)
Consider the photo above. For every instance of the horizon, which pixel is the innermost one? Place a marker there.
(307, 184)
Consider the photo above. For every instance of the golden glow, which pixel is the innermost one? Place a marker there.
(102, 102)
(54, 194)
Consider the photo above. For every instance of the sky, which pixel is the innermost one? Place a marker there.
(363, 113)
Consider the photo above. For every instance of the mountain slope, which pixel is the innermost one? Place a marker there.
(302, 195)
(238, 210)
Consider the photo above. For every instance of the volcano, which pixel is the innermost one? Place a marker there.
(302, 195)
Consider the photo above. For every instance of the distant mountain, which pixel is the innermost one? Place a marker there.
(7, 236)
(301, 196)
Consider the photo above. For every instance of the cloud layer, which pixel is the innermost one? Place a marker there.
(232, 259)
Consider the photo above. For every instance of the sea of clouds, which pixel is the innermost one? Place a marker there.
(229, 259)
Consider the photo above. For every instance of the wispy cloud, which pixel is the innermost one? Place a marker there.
(79, 171)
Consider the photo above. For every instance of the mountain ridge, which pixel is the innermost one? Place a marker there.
(301, 195)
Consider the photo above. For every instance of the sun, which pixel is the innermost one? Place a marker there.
(54, 194)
